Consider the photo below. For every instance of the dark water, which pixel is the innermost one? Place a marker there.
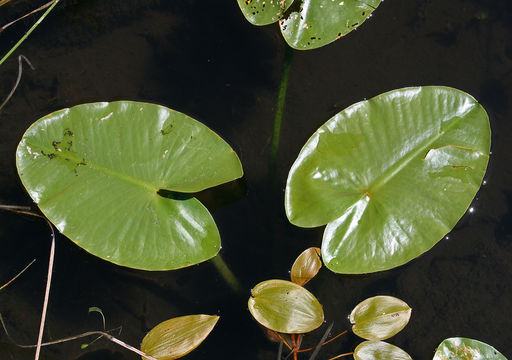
(204, 59)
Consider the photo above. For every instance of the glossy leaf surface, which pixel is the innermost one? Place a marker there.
(177, 337)
(95, 171)
(458, 348)
(306, 266)
(390, 176)
(285, 307)
(263, 12)
(379, 350)
(379, 317)
(319, 22)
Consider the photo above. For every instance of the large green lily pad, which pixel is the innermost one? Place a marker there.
(285, 307)
(98, 172)
(390, 176)
(458, 348)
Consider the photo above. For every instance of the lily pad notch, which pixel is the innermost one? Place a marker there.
(390, 176)
(118, 179)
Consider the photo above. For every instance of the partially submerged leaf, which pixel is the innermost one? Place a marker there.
(318, 23)
(114, 178)
(263, 12)
(458, 348)
(285, 307)
(390, 176)
(306, 266)
(98, 310)
(379, 350)
(379, 317)
(177, 337)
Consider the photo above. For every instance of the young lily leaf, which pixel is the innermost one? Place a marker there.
(113, 177)
(306, 266)
(318, 23)
(285, 307)
(379, 317)
(177, 337)
(379, 350)
(264, 12)
(391, 176)
(458, 348)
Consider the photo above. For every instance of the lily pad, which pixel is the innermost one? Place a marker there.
(390, 176)
(264, 12)
(306, 266)
(458, 348)
(319, 22)
(115, 178)
(177, 337)
(310, 24)
(285, 307)
(379, 317)
(379, 350)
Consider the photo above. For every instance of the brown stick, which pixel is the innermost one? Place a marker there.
(47, 292)
(341, 355)
(24, 16)
(17, 276)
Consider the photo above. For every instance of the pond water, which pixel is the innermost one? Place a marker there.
(204, 59)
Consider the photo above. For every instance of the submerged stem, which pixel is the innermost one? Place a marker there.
(274, 149)
(341, 355)
(227, 274)
(20, 41)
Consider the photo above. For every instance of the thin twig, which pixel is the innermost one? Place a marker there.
(26, 15)
(327, 342)
(47, 292)
(321, 342)
(284, 341)
(17, 276)
(280, 351)
(20, 41)
(20, 71)
(15, 207)
(76, 337)
(21, 210)
(341, 355)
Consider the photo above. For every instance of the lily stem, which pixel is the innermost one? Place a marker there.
(278, 117)
(226, 273)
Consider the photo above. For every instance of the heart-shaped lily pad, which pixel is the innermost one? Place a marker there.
(390, 176)
(114, 178)
(458, 348)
